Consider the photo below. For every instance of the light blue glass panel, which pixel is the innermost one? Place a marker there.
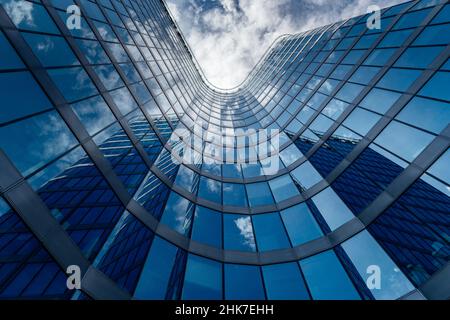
(243, 282)
(327, 279)
(284, 282)
(156, 272)
(300, 224)
(379, 100)
(203, 279)
(361, 121)
(177, 214)
(428, 114)
(397, 139)
(238, 233)
(371, 260)
(332, 208)
(283, 188)
(269, 232)
(306, 175)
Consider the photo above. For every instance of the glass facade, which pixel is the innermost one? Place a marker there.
(357, 184)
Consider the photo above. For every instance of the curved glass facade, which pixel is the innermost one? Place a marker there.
(327, 167)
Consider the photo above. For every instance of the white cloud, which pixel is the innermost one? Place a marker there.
(229, 38)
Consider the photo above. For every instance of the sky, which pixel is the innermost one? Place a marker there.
(228, 37)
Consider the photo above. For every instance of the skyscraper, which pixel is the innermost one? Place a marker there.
(324, 175)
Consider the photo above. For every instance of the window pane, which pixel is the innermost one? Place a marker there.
(327, 279)
(42, 138)
(397, 139)
(157, 270)
(283, 188)
(269, 232)
(366, 253)
(259, 194)
(300, 224)
(234, 195)
(238, 233)
(203, 279)
(332, 208)
(207, 227)
(427, 114)
(15, 104)
(243, 283)
(284, 282)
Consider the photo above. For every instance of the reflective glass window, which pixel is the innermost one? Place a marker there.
(269, 232)
(207, 227)
(202, 280)
(327, 279)
(300, 224)
(238, 233)
(284, 282)
(332, 208)
(243, 282)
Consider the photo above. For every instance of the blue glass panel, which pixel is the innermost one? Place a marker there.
(238, 233)
(207, 227)
(210, 189)
(283, 188)
(361, 121)
(52, 51)
(437, 87)
(259, 194)
(10, 59)
(94, 113)
(74, 83)
(370, 259)
(332, 208)
(234, 195)
(432, 35)
(327, 279)
(418, 57)
(157, 269)
(15, 104)
(398, 79)
(379, 100)
(203, 279)
(243, 282)
(300, 224)
(428, 114)
(42, 138)
(178, 213)
(269, 232)
(397, 137)
(284, 282)
(29, 16)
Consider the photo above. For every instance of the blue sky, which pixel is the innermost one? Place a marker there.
(229, 36)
